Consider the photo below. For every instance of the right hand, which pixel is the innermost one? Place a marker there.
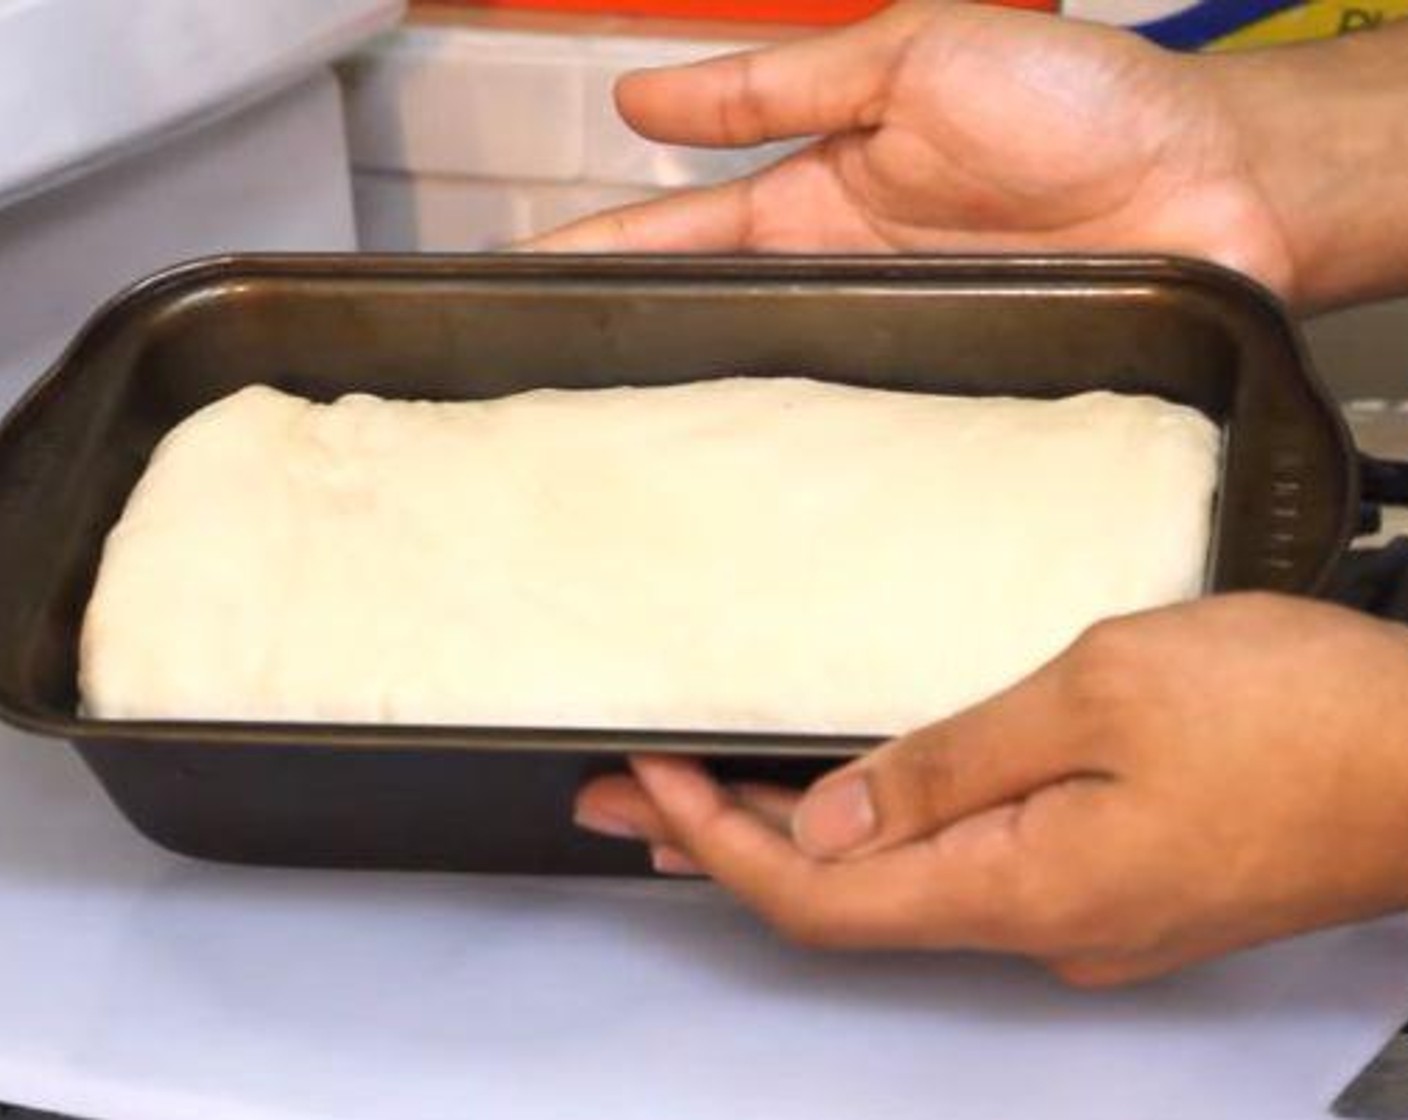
(954, 127)
(1178, 784)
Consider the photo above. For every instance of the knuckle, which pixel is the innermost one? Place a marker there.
(741, 118)
(1106, 642)
(1108, 664)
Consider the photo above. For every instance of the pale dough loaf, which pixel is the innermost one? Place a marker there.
(748, 554)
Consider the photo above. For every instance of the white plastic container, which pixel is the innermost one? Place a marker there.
(477, 130)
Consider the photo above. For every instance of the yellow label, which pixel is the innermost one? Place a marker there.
(1314, 21)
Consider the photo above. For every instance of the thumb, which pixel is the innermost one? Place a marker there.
(914, 786)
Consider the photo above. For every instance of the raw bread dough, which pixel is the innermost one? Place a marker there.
(748, 554)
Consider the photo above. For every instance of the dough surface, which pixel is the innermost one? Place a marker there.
(745, 554)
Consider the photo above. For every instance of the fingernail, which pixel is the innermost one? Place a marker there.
(672, 861)
(836, 817)
(605, 825)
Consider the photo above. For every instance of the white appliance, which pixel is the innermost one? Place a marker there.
(137, 133)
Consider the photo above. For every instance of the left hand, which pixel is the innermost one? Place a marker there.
(944, 127)
(1178, 784)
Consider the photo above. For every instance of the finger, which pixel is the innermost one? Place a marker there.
(798, 204)
(774, 805)
(715, 219)
(833, 82)
(669, 860)
(998, 752)
(711, 825)
(615, 805)
(914, 896)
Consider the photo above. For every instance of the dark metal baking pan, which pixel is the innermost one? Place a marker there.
(473, 327)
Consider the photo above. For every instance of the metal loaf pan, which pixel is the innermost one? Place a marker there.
(455, 328)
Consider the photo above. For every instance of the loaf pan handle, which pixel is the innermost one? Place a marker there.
(1382, 482)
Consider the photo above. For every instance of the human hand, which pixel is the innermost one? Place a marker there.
(954, 127)
(1177, 785)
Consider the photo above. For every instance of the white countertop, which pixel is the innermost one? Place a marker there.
(141, 986)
